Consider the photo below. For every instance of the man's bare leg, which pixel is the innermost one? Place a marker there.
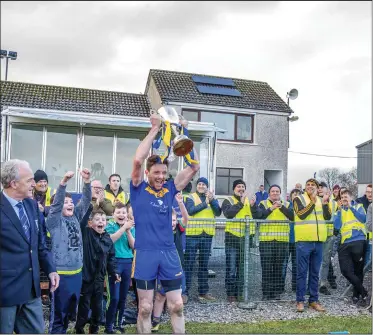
(158, 304)
(176, 309)
(144, 322)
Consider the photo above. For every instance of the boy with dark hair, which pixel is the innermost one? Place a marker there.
(98, 259)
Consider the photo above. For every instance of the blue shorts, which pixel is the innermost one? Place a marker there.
(157, 264)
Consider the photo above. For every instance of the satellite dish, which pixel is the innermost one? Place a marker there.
(293, 94)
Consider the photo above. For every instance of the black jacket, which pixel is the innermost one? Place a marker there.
(364, 201)
(98, 253)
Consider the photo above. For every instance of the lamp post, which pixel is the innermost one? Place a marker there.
(7, 55)
(291, 95)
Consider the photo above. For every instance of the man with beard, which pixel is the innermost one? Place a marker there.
(155, 252)
(236, 207)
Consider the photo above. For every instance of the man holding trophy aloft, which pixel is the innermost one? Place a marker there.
(155, 252)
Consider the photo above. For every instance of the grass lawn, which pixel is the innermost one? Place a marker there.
(316, 325)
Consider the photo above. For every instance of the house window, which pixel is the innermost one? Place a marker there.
(191, 115)
(98, 154)
(27, 144)
(127, 144)
(61, 155)
(239, 127)
(225, 178)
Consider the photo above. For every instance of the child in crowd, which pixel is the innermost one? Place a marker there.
(160, 296)
(122, 233)
(66, 238)
(98, 259)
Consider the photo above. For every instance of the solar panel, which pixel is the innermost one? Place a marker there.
(218, 90)
(213, 81)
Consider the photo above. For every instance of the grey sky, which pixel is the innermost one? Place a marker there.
(321, 48)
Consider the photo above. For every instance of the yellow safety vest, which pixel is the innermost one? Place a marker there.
(333, 206)
(313, 227)
(271, 231)
(349, 223)
(48, 196)
(238, 228)
(200, 226)
(120, 196)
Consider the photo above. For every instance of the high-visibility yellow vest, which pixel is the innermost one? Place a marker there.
(350, 223)
(120, 196)
(198, 227)
(48, 196)
(272, 231)
(313, 228)
(333, 206)
(238, 228)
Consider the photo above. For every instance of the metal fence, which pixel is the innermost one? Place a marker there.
(242, 259)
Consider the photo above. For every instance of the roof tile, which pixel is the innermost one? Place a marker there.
(180, 87)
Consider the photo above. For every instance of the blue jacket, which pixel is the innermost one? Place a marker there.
(357, 235)
(261, 196)
(20, 259)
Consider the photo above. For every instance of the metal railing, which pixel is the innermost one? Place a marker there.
(247, 260)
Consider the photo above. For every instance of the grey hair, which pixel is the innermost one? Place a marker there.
(10, 171)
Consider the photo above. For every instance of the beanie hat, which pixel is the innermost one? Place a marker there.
(238, 182)
(40, 175)
(323, 184)
(203, 180)
(274, 185)
(336, 187)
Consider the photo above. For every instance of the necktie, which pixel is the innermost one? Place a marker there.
(24, 221)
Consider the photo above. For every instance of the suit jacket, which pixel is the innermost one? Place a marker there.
(21, 259)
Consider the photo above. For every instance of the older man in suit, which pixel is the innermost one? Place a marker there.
(23, 250)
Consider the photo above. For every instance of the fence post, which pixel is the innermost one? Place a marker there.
(246, 304)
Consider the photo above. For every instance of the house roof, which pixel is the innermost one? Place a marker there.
(180, 87)
(363, 144)
(18, 94)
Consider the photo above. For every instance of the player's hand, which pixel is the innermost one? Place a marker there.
(118, 279)
(155, 120)
(68, 175)
(86, 175)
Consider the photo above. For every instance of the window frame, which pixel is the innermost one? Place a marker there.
(251, 116)
(229, 176)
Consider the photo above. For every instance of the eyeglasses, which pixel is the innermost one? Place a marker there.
(97, 188)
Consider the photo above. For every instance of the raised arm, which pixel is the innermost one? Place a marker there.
(83, 205)
(185, 176)
(143, 150)
(55, 211)
(183, 210)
